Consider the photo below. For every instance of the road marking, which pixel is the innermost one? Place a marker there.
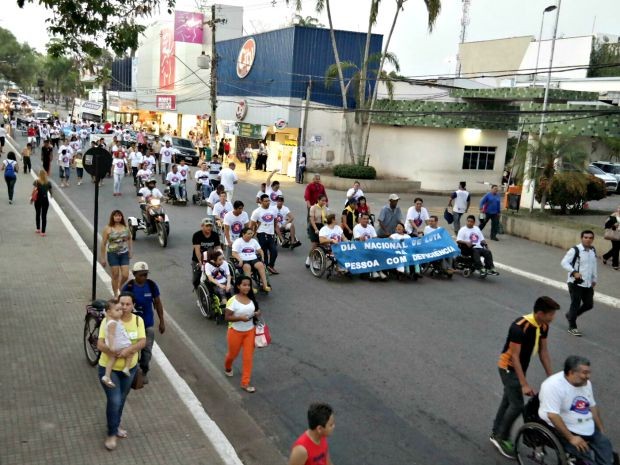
(598, 297)
(220, 442)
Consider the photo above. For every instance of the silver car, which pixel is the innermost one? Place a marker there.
(610, 181)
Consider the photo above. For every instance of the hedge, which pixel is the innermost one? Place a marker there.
(355, 172)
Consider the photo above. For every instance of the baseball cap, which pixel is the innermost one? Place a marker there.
(206, 221)
(393, 197)
(140, 266)
(280, 197)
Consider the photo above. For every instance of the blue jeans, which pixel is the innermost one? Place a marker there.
(600, 448)
(116, 397)
(205, 188)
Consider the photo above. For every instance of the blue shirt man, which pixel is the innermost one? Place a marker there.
(490, 205)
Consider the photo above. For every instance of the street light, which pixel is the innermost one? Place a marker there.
(542, 22)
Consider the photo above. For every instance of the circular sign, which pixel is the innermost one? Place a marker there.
(97, 162)
(245, 60)
(280, 123)
(242, 110)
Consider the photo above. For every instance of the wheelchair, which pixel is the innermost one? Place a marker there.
(285, 241)
(323, 261)
(435, 270)
(209, 302)
(198, 198)
(170, 196)
(465, 263)
(540, 444)
(237, 271)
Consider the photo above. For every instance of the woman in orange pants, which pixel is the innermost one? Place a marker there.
(241, 311)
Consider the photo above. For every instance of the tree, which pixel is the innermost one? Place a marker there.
(613, 144)
(604, 59)
(18, 62)
(308, 21)
(82, 26)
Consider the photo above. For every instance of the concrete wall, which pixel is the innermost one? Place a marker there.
(434, 156)
(493, 55)
(325, 138)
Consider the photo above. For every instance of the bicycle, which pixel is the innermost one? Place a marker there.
(95, 313)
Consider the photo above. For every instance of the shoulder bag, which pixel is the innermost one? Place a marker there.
(138, 378)
(262, 336)
(612, 234)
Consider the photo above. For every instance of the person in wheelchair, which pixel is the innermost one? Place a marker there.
(445, 264)
(246, 251)
(471, 242)
(286, 221)
(202, 181)
(567, 404)
(217, 273)
(331, 233)
(364, 231)
(174, 180)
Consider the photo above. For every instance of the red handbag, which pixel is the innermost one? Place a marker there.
(262, 337)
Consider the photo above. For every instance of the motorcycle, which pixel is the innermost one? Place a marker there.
(154, 221)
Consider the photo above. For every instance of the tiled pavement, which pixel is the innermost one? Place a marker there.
(52, 406)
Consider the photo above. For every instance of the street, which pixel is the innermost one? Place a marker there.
(410, 368)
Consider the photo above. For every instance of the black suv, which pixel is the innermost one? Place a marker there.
(184, 150)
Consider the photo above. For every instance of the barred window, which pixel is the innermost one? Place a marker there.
(478, 158)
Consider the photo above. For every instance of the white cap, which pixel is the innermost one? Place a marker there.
(393, 197)
(140, 266)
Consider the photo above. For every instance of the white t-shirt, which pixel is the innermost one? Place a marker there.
(331, 233)
(355, 195)
(282, 213)
(144, 174)
(460, 199)
(236, 223)
(258, 196)
(220, 210)
(119, 165)
(219, 273)
(150, 160)
(184, 171)
(75, 145)
(430, 230)
(202, 177)
(273, 195)
(136, 159)
(228, 178)
(83, 133)
(214, 197)
(418, 218)
(246, 250)
(165, 154)
(147, 193)
(214, 170)
(240, 310)
(473, 235)
(572, 403)
(266, 219)
(364, 233)
(174, 178)
(121, 338)
(399, 237)
(65, 160)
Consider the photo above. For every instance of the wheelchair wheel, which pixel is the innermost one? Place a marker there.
(205, 303)
(537, 444)
(318, 262)
(467, 272)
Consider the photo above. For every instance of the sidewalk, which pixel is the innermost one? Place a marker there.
(52, 406)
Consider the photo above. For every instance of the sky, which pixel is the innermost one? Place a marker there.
(420, 53)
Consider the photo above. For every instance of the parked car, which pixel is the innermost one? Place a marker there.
(610, 168)
(184, 149)
(610, 181)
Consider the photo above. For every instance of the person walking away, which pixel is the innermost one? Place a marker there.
(116, 396)
(147, 295)
(42, 188)
(116, 339)
(490, 205)
(460, 201)
(613, 224)
(242, 311)
(527, 336)
(116, 250)
(10, 168)
(580, 262)
(311, 447)
(389, 216)
(228, 179)
(79, 167)
(26, 153)
(46, 155)
(301, 168)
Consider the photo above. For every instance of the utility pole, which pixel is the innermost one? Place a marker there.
(304, 126)
(213, 84)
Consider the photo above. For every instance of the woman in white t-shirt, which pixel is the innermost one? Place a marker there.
(246, 250)
(241, 312)
(399, 235)
(417, 218)
(119, 164)
(331, 233)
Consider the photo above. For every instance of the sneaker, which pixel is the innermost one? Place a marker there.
(382, 275)
(374, 275)
(296, 244)
(228, 373)
(574, 332)
(505, 447)
(493, 272)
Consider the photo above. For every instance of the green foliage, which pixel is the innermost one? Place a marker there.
(355, 172)
(307, 21)
(80, 26)
(570, 191)
(604, 59)
(613, 144)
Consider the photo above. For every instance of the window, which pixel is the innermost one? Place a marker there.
(478, 158)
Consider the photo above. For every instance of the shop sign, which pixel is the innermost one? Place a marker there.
(252, 131)
(188, 27)
(242, 110)
(245, 60)
(280, 123)
(166, 102)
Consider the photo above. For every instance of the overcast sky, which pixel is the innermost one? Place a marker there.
(419, 52)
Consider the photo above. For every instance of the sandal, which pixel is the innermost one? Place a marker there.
(107, 382)
(250, 389)
(121, 433)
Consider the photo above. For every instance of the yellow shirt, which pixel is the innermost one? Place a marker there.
(135, 331)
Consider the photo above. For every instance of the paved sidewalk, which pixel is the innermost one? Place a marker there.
(52, 406)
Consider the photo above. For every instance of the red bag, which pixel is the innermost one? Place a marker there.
(262, 338)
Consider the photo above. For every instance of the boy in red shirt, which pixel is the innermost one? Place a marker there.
(311, 447)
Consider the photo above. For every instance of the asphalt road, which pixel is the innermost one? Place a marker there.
(409, 367)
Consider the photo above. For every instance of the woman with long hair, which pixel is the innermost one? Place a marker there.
(116, 247)
(40, 197)
(10, 168)
(241, 312)
(613, 223)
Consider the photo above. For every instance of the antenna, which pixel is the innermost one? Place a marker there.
(464, 24)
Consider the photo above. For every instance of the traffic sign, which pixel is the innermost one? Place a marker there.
(97, 162)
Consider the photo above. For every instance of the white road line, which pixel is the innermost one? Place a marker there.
(220, 443)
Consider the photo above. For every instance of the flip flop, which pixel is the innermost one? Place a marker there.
(250, 389)
(121, 433)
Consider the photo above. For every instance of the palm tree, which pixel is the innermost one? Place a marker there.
(308, 21)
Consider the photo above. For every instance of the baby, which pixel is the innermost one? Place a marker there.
(116, 338)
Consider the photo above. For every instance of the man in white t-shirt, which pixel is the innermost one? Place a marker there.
(364, 231)
(355, 192)
(135, 159)
(228, 179)
(272, 189)
(285, 220)
(174, 180)
(433, 225)
(150, 191)
(471, 241)
(65, 157)
(264, 221)
(235, 221)
(417, 218)
(221, 208)
(214, 171)
(567, 404)
(165, 159)
(202, 180)
(459, 201)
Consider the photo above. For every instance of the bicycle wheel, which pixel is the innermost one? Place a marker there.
(91, 334)
(204, 301)
(318, 262)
